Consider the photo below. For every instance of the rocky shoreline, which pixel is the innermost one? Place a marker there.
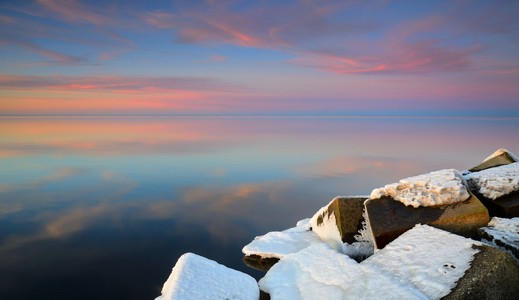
(442, 235)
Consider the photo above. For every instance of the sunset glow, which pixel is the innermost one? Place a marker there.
(435, 58)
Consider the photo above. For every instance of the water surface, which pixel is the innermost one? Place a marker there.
(102, 207)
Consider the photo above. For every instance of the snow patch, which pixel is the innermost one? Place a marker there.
(429, 259)
(196, 277)
(319, 272)
(279, 244)
(495, 182)
(423, 263)
(432, 189)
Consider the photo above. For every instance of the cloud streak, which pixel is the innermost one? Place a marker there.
(114, 83)
(315, 35)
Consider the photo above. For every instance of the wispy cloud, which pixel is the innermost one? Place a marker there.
(93, 27)
(336, 38)
(78, 11)
(115, 83)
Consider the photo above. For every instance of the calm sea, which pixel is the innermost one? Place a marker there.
(102, 207)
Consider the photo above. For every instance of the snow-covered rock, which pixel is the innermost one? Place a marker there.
(196, 277)
(504, 234)
(498, 189)
(278, 244)
(388, 218)
(342, 225)
(498, 158)
(423, 263)
(432, 189)
(495, 182)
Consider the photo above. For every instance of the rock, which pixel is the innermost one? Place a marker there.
(498, 158)
(340, 220)
(503, 234)
(423, 263)
(506, 206)
(341, 225)
(493, 275)
(259, 263)
(498, 189)
(388, 218)
(196, 277)
(432, 189)
(277, 244)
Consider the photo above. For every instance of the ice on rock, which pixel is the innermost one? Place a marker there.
(495, 182)
(324, 223)
(278, 244)
(327, 230)
(504, 234)
(196, 278)
(432, 189)
(423, 263)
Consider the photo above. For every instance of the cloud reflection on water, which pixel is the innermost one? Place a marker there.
(142, 191)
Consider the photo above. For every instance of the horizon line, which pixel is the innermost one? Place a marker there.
(262, 115)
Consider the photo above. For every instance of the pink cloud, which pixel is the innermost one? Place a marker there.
(76, 11)
(114, 83)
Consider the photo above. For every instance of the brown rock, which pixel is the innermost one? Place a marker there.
(388, 218)
(506, 206)
(348, 217)
(493, 274)
(498, 158)
(259, 263)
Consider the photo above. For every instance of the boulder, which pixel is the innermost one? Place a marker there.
(498, 158)
(388, 218)
(504, 234)
(196, 277)
(423, 263)
(493, 275)
(498, 189)
(266, 250)
(341, 225)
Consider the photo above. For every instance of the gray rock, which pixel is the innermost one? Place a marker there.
(493, 275)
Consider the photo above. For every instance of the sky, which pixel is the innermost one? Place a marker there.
(304, 57)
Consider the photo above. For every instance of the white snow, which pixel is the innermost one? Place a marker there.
(319, 272)
(496, 182)
(279, 244)
(196, 277)
(432, 189)
(504, 231)
(423, 263)
(501, 152)
(429, 259)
